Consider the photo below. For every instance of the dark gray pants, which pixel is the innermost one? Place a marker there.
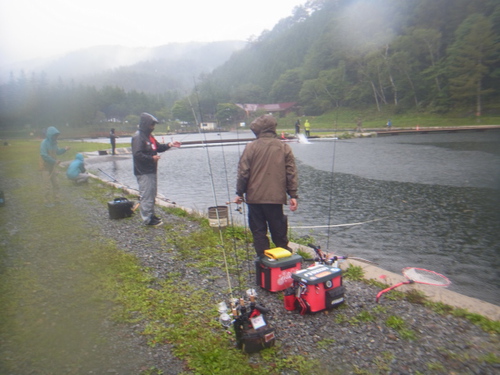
(262, 216)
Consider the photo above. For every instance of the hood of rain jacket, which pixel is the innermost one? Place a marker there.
(264, 124)
(76, 167)
(146, 121)
(49, 134)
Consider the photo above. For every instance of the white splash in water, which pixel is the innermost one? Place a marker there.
(302, 138)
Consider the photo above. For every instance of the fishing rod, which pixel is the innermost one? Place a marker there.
(209, 165)
(158, 195)
(324, 259)
(241, 208)
(109, 176)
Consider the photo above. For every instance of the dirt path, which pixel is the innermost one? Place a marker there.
(55, 318)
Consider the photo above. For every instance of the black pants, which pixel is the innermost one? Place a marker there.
(262, 216)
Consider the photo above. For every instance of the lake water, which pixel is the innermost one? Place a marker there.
(428, 200)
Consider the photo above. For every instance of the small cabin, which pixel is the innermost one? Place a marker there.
(208, 125)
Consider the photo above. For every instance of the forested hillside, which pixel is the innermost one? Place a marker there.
(435, 55)
(90, 86)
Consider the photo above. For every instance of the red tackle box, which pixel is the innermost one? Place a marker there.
(318, 288)
(276, 274)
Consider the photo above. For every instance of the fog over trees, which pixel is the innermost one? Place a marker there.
(427, 55)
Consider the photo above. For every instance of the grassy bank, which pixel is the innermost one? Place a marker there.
(342, 119)
(345, 119)
(61, 279)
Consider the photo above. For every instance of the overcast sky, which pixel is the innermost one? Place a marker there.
(44, 28)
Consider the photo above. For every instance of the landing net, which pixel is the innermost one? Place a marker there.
(422, 276)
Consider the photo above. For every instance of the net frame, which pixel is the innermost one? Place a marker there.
(423, 276)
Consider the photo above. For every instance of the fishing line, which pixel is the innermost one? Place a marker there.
(330, 203)
(114, 180)
(231, 213)
(221, 237)
(350, 224)
(183, 138)
(251, 270)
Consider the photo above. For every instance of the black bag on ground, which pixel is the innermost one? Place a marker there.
(253, 332)
(252, 340)
(120, 208)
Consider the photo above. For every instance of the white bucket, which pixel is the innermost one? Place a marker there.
(217, 216)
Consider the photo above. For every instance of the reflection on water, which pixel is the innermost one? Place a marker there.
(427, 201)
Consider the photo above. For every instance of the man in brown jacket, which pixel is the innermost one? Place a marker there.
(266, 174)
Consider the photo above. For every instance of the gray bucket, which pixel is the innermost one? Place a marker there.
(217, 216)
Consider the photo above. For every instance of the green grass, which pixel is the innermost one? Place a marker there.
(354, 273)
(344, 119)
(399, 325)
(114, 284)
(74, 261)
(338, 120)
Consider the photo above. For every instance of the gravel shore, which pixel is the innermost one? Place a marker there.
(352, 339)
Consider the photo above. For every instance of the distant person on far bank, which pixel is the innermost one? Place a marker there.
(145, 149)
(297, 127)
(307, 128)
(49, 150)
(389, 124)
(112, 140)
(359, 125)
(266, 175)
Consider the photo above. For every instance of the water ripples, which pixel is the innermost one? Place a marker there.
(427, 201)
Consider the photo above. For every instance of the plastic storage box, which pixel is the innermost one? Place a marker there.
(276, 274)
(318, 288)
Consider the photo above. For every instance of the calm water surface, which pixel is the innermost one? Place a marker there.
(429, 201)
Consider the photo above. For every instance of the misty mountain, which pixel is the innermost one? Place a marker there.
(152, 70)
(437, 55)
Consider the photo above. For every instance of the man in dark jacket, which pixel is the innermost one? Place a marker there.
(266, 175)
(145, 151)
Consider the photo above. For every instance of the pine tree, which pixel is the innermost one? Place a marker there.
(469, 60)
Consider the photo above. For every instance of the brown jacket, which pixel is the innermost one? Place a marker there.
(266, 170)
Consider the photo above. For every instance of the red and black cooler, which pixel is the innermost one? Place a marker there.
(276, 274)
(318, 288)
